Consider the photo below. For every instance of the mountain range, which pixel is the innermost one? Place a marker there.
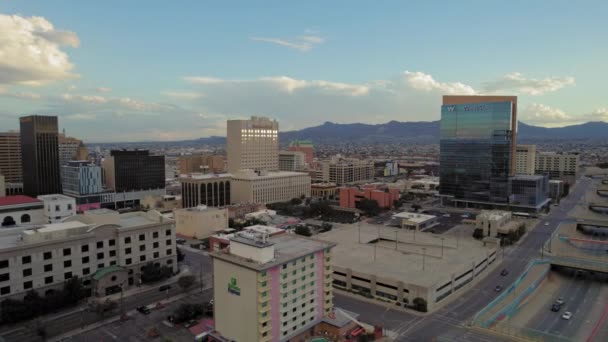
(421, 132)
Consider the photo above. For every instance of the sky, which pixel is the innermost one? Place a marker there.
(172, 70)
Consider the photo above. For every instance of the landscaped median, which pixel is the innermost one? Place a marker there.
(514, 296)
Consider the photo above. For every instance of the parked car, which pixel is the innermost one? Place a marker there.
(504, 272)
(567, 315)
(556, 307)
(546, 223)
(143, 309)
(164, 288)
(190, 323)
(498, 288)
(559, 301)
(180, 241)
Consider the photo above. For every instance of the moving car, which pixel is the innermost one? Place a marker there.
(143, 309)
(567, 315)
(498, 288)
(559, 301)
(556, 307)
(546, 223)
(164, 288)
(504, 272)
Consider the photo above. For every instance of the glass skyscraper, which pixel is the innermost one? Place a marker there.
(476, 148)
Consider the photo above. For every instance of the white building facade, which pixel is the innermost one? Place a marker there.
(269, 187)
(58, 207)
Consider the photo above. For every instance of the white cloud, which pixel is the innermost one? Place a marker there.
(421, 81)
(301, 43)
(81, 117)
(25, 95)
(30, 51)
(103, 90)
(183, 95)
(536, 113)
(206, 80)
(516, 82)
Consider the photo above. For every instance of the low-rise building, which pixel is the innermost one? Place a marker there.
(347, 170)
(278, 288)
(350, 197)
(291, 160)
(530, 191)
(106, 249)
(200, 222)
(493, 221)
(238, 211)
(250, 186)
(558, 165)
(58, 207)
(21, 210)
(162, 203)
(212, 190)
(323, 191)
(415, 221)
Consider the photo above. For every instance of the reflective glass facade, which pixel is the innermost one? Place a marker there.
(476, 151)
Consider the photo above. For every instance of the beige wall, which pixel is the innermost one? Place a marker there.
(525, 159)
(108, 172)
(197, 163)
(267, 189)
(236, 317)
(2, 186)
(252, 144)
(200, 223)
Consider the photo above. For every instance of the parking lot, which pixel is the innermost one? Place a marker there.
(448, 220)
(139, 326)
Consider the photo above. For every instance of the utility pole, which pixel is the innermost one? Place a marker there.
(359, 225)
(442, 248)
(423, 257)
(200, 275)
(396, 232)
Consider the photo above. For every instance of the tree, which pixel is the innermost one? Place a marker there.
(73, 291)
(478, 233)
(103, 308)
(231, 222)
(303, 230)
(307, 201)
(419, 304)
(151, 273)
(296, 201)
(180, 255)
(369, 207)
(185, 282)
(186, 312)
(325, 227)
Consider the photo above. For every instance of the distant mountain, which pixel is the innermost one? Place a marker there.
(589, 130)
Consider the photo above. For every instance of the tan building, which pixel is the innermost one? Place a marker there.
(10, 157)
(323, 190)
(106, 249)
(201, 163)
(269, 187)
(71, 149)
(212, 190)
(525, 159)
(253, 144)
(2, 186)
(162, 203)
(558, 165)
(494, 222)
(276, 288)
(346, 171)
(200, 222)
(291, 160)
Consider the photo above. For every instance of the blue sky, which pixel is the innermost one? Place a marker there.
(165, 70)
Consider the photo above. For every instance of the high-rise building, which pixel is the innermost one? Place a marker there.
(253, 144)
(304, 146)
(134, 170)
(477, 148)
(81, 178)
(71, 149)
(10, 157)
(276, 287)
(525, 159)
(558, 165)
(291, 160)
(201, 163)
(212, 190)
(347, 171)
(40, 155)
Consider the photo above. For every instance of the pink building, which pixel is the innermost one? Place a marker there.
(305, 146)
(384, 196)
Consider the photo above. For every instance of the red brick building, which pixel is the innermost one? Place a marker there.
(381, 194)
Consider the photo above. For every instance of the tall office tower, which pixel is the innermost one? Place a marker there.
(253, 144)
(305, 146)
(40, 155)
(525, 159)
(478, 140)
(71, 149)
(10, 158)
(135, 170)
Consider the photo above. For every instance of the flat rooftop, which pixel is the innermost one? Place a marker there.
(55, 197)
(18, 200)
(287, 247)
(402, 261)
(206, 175)
(277, 174)
(414, 217)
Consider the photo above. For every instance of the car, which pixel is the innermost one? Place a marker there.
(190, 323)
(211, 301)
(498, 288)
(504, 272)
(567, 315)
(559, 301)
(164, 288)
(546, 223)
(580, 220)
(180, 241)
(143, 309)
(555, 307)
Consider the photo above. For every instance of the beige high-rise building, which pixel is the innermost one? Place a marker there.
(269, 187)
(558, 165)
(71, 149)
(253, 144)
(525, 159)
(201, 163)
(347, 171)
(10, 157)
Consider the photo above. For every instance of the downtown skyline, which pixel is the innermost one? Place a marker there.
(119, 72)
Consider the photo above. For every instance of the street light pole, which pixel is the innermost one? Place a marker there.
(442, 248)
(423, 257)
(200, 275)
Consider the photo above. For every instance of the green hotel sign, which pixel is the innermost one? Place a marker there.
(233, 287)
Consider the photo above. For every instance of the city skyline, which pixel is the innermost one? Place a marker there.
(172, 73)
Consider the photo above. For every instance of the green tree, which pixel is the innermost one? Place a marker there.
(151, 273)
(73, 291)
(185, 282)
(303, 230)
(180, 255)
(187, 312)
(296, 201)
(369, 207)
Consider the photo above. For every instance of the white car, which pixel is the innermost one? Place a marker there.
(567, 315)
(546, 223)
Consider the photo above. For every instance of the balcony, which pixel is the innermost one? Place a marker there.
(262, 309)
(263, 338)
(263, 329)
(263, 288)
(262, 278)
(264, 318)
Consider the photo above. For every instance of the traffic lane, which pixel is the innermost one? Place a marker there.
(545, 319)
(374, 314)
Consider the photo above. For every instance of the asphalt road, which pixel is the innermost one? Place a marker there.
(449, 323)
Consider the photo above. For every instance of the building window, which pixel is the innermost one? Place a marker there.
(4, 277)
(128, 250)
(99, 266)
(48, 268)
(57, 208)
(26, 259)
(27, 272)
(168, 232)
(99, 244)
(67, 251)
(155, 235)
(100, 255)
(128, 261)
(112, 263)
(85, 260)
(112, 242)
(28, 285)
(156, 254)
(169, 262)
(142, 237)
(85, 271)
(168, 242)
(69, 206)
(67, 263)
(142, 258)
(112, 253)
(47, 255)
(48, 280)
(67, 275)
(169, 251)
(84, 248)
(128, 239)
(5, 290)
(155, 245)
(142, 248)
